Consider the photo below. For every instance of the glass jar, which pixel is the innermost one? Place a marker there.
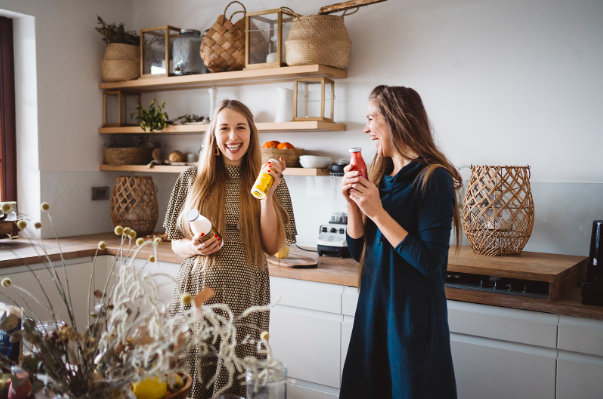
(267, 383)
(186, 55)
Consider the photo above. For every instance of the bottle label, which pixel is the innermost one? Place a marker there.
(262, 185)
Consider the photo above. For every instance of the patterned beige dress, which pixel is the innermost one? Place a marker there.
(236, 283)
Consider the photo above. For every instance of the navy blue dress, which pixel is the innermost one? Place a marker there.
(400, 344)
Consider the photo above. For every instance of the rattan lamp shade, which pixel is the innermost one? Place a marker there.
(134, 204)
(498, 211)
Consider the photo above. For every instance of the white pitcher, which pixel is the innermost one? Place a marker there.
(284, 112)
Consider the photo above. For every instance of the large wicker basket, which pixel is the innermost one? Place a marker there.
(128, 156)
(134, 204)
(223, 46)
(498, 211)
(291, 156)
(318, 39)
(121, 62)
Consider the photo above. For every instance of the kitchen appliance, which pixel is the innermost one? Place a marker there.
(331, 236)
(592, 289)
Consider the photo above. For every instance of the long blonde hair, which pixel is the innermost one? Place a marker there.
(208, 192)
(410, 130)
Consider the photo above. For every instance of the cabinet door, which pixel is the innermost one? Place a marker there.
(500, 370)
(309, 342)
(78, 275)
(346, 335)
(579, 376)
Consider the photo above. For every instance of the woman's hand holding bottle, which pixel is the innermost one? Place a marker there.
(274, 169)
(207, 247)
(361, 192)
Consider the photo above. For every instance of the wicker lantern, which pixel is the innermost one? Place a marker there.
(156, 51)
(313, 99)
(134, 204)
(265, 35)
(498, 212)
(118, 106)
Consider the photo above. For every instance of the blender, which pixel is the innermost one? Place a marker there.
(331, 235)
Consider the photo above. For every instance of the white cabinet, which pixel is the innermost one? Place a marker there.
(580, 364)
(308, 342)
(78, 273)
(500, 370)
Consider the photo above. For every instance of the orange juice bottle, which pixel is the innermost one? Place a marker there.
(263, 183)
(357, 161)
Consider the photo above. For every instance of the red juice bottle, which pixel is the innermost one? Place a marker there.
(357, 162)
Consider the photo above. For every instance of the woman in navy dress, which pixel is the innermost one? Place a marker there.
(399, 227)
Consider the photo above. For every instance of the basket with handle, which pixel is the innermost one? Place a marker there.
(223, 46)
(318, 39)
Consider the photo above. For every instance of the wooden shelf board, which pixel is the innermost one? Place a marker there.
(233, 78)
(304, 126)
(180, 169)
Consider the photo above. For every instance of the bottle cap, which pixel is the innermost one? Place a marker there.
(355, 149)
(274, 160)
(192, 215)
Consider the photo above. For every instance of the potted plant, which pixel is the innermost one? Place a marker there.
(122, 54)
(154, 118)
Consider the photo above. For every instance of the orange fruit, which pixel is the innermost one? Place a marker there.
(283, 146)
(271, 144)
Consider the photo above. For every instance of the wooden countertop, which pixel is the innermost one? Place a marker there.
(344, 271)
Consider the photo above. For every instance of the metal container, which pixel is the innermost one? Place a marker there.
(186, 56)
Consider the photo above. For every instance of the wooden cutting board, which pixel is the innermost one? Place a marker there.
(293, 260)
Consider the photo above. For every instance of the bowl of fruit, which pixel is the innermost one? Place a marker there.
(276, 150)
(174, 386)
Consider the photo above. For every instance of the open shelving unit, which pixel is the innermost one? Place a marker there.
(180, 169)
(234, 78)
(303, 126)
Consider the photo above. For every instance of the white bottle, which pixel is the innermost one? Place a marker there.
(201, 225)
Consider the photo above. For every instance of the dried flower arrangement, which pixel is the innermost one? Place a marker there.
(130, 337)
(113, 33)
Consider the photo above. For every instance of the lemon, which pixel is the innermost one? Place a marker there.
(150, 388)
(283, 253)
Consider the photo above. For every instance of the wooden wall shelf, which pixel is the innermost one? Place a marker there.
(235, 78)
(180, 169)
(309, 126)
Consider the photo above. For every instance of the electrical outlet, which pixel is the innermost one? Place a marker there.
(100, 193)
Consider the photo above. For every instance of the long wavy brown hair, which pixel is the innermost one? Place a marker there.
(208, 192)
(412, 137)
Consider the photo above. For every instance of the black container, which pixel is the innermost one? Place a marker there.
(595, 257)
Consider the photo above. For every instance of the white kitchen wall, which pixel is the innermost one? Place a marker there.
(514, 82)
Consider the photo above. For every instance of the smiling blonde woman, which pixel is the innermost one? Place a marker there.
(219, 187)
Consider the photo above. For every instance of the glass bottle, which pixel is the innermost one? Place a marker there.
(201, 225)
(357, 161)
(263, 183)
(267, 383)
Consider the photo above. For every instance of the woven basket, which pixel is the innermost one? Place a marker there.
(134, 204)
(318, 39)
(121, 62)
(498, 211)
(128, 156)
(223, 46)
(291, 156)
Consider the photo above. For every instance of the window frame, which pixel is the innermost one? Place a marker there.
(8, 131)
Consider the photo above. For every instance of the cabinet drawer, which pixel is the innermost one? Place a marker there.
(581, 335)
(511, 325)
(308, 342)
(306, 294)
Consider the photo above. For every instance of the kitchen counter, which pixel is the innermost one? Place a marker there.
(546, 267)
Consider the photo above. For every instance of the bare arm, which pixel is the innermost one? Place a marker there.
(187, 248)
